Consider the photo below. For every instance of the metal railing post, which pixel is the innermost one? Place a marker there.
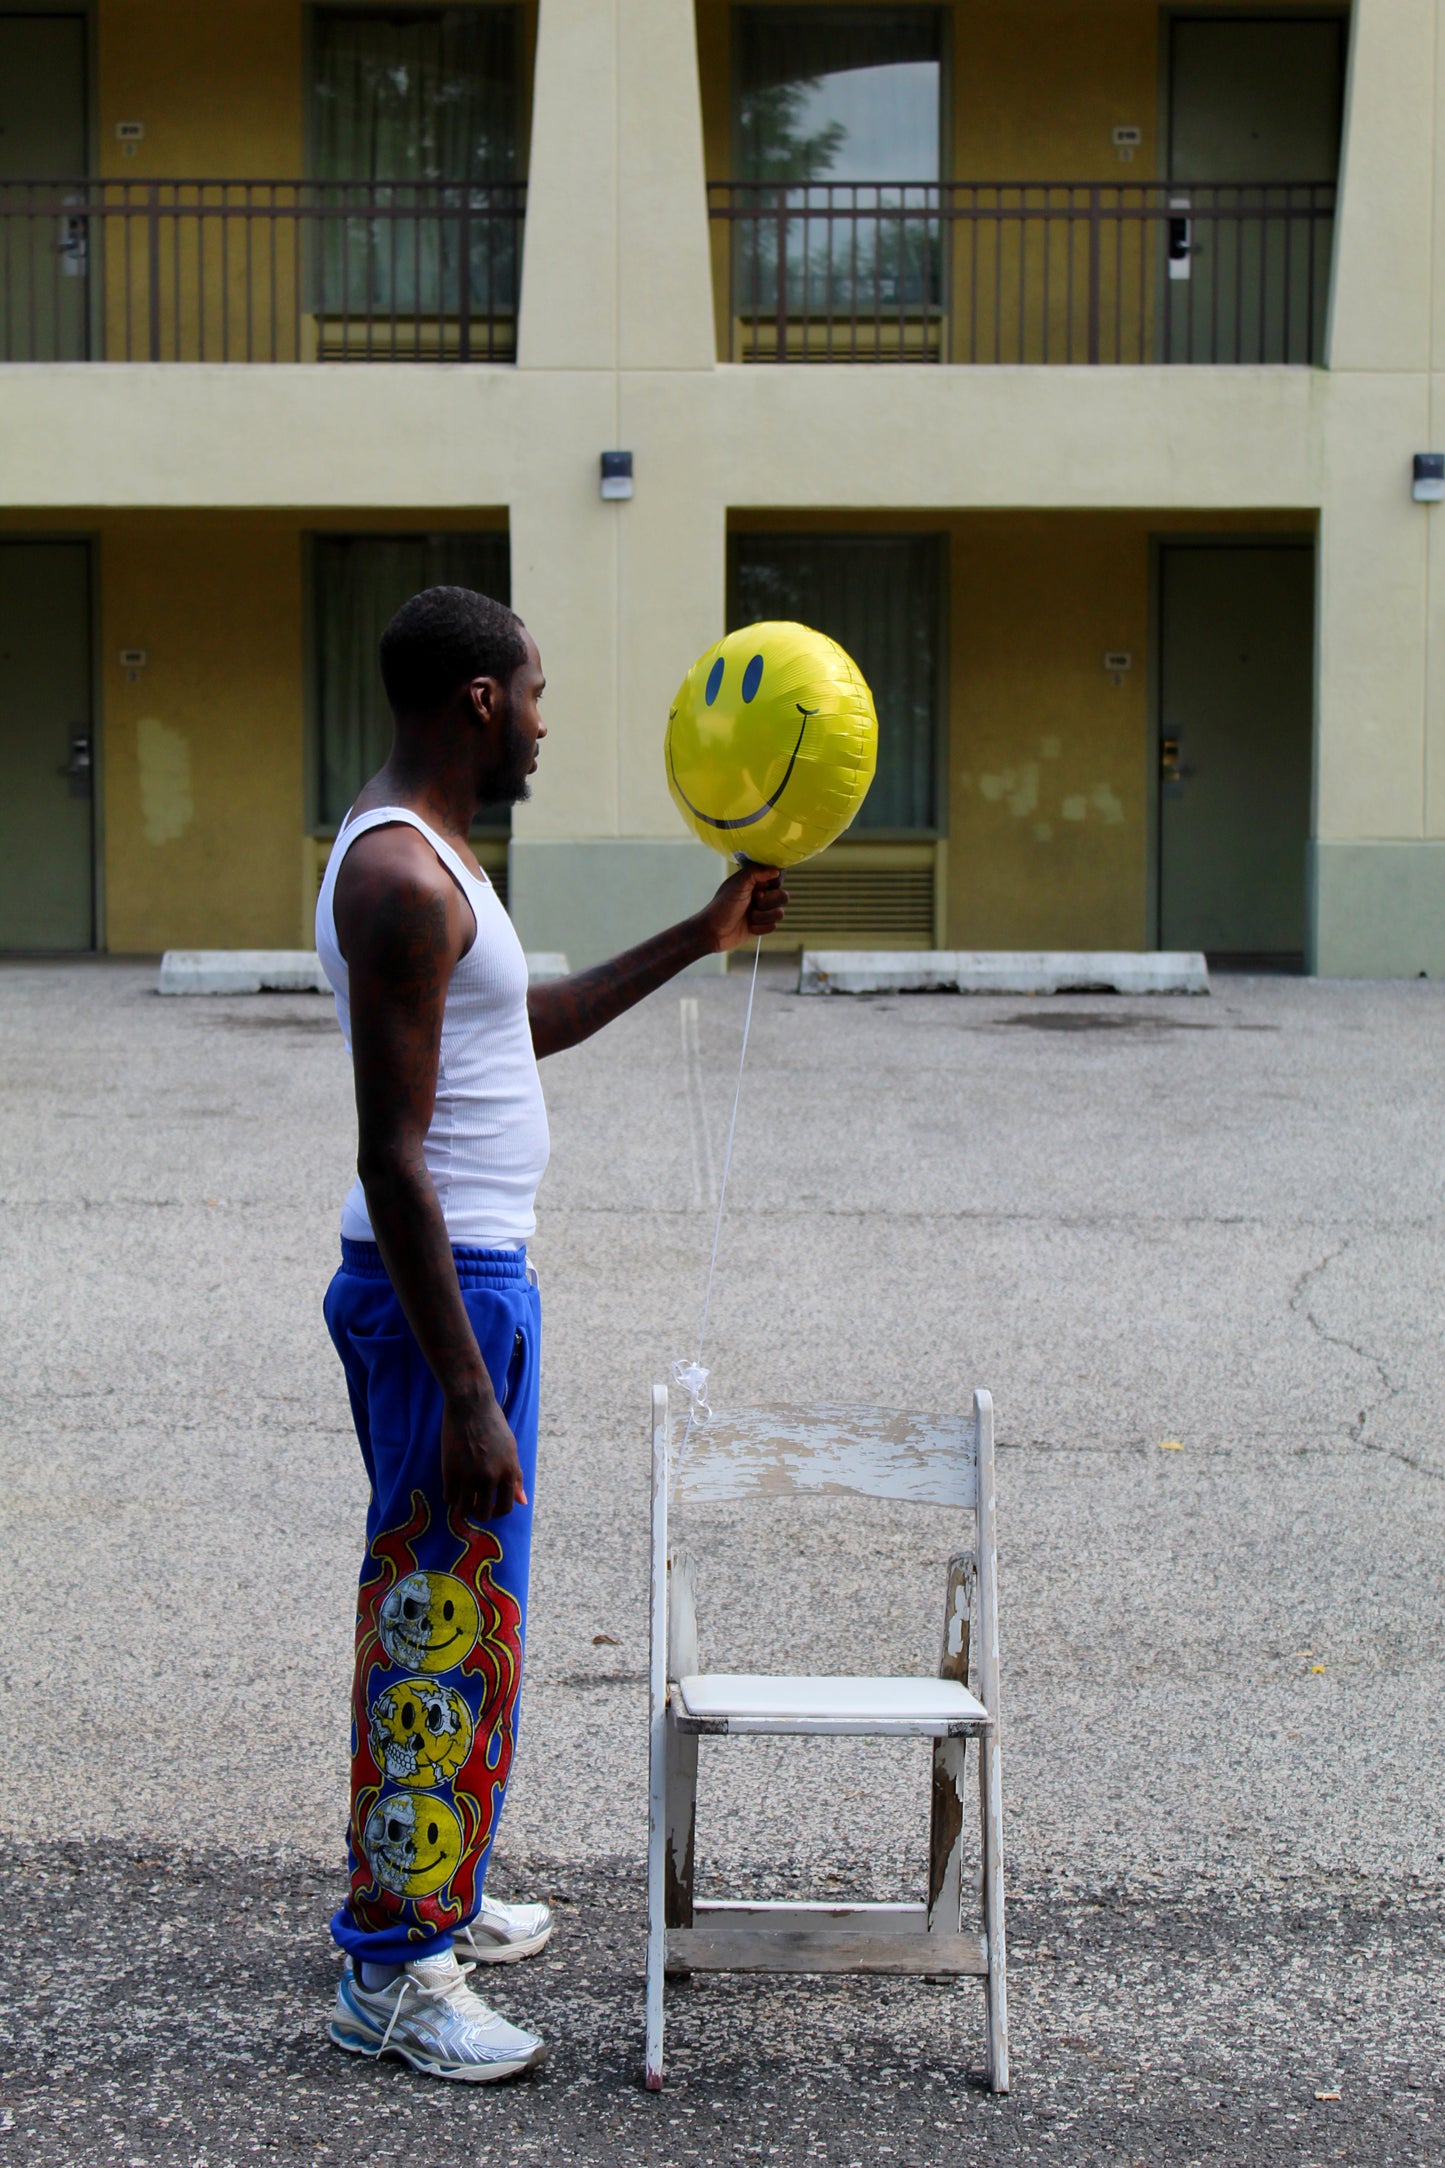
(464, 279)
(1095, 252)
(153, 265)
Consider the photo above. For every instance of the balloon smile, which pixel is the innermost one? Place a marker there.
(746, 820)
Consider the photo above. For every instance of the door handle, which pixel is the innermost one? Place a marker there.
(77, 769)
(1180, 238)
(1173, 773)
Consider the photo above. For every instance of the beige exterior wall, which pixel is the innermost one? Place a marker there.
(617, 347)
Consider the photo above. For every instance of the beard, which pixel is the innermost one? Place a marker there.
(506, 782)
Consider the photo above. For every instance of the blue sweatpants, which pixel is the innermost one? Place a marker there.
(442, 1612)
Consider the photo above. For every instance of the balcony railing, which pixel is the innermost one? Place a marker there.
(1025, 272)
(259, 270)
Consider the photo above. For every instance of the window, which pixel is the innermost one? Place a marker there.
(880, 597)
(420, 111)
(839, 94)
(839, 125)
(359, 582)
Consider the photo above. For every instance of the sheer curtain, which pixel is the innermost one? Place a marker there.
(428, 101)
(880, 597)
(359, 582)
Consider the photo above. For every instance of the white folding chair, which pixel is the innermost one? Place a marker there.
(776, 1453)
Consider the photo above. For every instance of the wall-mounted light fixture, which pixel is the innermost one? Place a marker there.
(617, 474)
(1429, 483)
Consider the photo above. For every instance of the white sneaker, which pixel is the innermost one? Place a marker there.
(500, 1934)
(432, 2020)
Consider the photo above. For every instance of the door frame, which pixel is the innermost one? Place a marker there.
(90, 541)
(1187, 538)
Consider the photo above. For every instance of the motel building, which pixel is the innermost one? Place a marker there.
(1067, 360)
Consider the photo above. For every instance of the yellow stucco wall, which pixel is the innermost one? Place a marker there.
(1050, 797)
(1048, 782)
(203, 817)
(219, 88)
(201, 757)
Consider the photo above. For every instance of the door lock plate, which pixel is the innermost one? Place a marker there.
(77, 769)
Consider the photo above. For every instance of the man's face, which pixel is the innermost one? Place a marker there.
(516, 730)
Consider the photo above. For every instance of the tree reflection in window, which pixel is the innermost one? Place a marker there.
(838, 124)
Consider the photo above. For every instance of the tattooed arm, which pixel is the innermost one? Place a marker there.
(566, 1011)
(402, 924)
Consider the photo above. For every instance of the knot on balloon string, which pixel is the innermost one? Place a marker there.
(692, 1377)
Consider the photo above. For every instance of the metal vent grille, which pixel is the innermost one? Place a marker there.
(853, 906)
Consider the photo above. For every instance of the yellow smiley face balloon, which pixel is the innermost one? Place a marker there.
(771, 743)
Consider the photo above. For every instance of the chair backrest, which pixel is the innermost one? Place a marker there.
(782, 1452)
(778, 1452)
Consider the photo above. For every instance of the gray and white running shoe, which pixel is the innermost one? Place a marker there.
(431, 2019)
(500, 1934)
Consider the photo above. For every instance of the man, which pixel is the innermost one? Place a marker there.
(435, 1314)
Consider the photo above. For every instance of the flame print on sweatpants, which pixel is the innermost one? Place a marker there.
(438, 1668)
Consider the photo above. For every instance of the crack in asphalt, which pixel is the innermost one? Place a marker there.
(1356, 1430)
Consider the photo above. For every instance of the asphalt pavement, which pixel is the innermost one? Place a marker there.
(1193, 1248)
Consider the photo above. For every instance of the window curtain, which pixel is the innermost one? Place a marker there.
(880, 597)
(829, 96)
(422, 109)
(360, 582)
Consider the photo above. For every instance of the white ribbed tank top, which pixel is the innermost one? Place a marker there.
(486, 1149)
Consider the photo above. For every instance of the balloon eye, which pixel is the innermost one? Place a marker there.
(714, 681)
(752, 677)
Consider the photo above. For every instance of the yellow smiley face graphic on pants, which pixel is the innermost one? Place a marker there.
(412, 1842)
(429, 1622)
(420, 1732)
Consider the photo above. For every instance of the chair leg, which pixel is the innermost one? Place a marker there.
(680, 1826)
(656, 1899)
(950, 1759)
(990, 1779)
(945, 1837)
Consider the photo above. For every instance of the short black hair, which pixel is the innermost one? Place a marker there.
(444, 637)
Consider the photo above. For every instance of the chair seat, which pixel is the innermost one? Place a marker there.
(729, 1701)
